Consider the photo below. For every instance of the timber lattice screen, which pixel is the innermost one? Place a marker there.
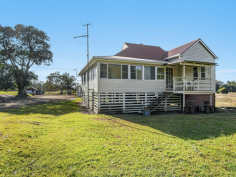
(117, 102)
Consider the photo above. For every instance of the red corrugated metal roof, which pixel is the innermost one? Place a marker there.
(180, 49)
(152, 52)
(142, 51)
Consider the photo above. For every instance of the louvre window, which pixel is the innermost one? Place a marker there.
(203, 73)
(103, 70)
(124, 71)
(195, 73)
(149, 73)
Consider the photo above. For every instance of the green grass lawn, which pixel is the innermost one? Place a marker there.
(57, 140)
(9, 93)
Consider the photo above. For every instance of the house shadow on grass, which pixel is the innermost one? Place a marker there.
(57, 108)
(195, 127)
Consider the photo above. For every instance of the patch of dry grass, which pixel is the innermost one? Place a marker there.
(224, 100)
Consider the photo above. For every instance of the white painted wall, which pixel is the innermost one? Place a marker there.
(129, 85)
(93, 84)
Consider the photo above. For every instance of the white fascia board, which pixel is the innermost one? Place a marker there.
(115, 58)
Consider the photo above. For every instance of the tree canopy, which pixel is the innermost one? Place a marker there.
(222, 87)
(58, 81)
(23, 47)
(6, 78)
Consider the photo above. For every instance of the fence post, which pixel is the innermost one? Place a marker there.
(82, 99)
(93, 101)
(124, 102)
(98, 105)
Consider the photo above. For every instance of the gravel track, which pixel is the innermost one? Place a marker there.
(9, 101)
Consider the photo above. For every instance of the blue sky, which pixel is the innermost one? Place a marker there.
(167, 24)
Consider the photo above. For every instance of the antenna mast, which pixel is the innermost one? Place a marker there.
(87, 58)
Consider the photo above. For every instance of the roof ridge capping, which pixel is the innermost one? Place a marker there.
(141, 44)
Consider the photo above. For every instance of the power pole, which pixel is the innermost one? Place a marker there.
(87, 58)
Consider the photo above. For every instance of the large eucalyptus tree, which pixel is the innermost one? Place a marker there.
(23, 47)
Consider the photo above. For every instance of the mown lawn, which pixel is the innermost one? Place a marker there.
(57, 140)
(9, 93)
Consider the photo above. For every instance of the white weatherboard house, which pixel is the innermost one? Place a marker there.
(142, 76)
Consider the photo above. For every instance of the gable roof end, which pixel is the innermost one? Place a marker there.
(183, 48)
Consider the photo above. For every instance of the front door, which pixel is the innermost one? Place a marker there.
(169, 78)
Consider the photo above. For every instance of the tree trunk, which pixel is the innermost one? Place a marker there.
(22, 91)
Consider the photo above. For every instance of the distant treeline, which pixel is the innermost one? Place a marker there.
(222, 87)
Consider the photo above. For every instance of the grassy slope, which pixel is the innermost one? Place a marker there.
(60, 141)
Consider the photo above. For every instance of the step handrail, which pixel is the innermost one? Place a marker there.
(160, 92)
(162, 102)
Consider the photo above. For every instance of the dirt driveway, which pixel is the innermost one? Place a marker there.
(9, 101)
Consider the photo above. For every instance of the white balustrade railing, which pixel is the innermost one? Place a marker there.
(192, 84)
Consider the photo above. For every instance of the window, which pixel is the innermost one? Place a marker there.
(103, 70)
(160, 74)
(149, 73)
(136, 72)
(84, 78)
(114, 71)
(195, 73)
(203, 73)
(124, 71)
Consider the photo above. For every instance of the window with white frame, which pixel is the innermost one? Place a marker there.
(136, 72)
(160, 73)
(195, 73)
(114, 71)
(149, 73)
(203, 73)
(103, 70)
(125, 72)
